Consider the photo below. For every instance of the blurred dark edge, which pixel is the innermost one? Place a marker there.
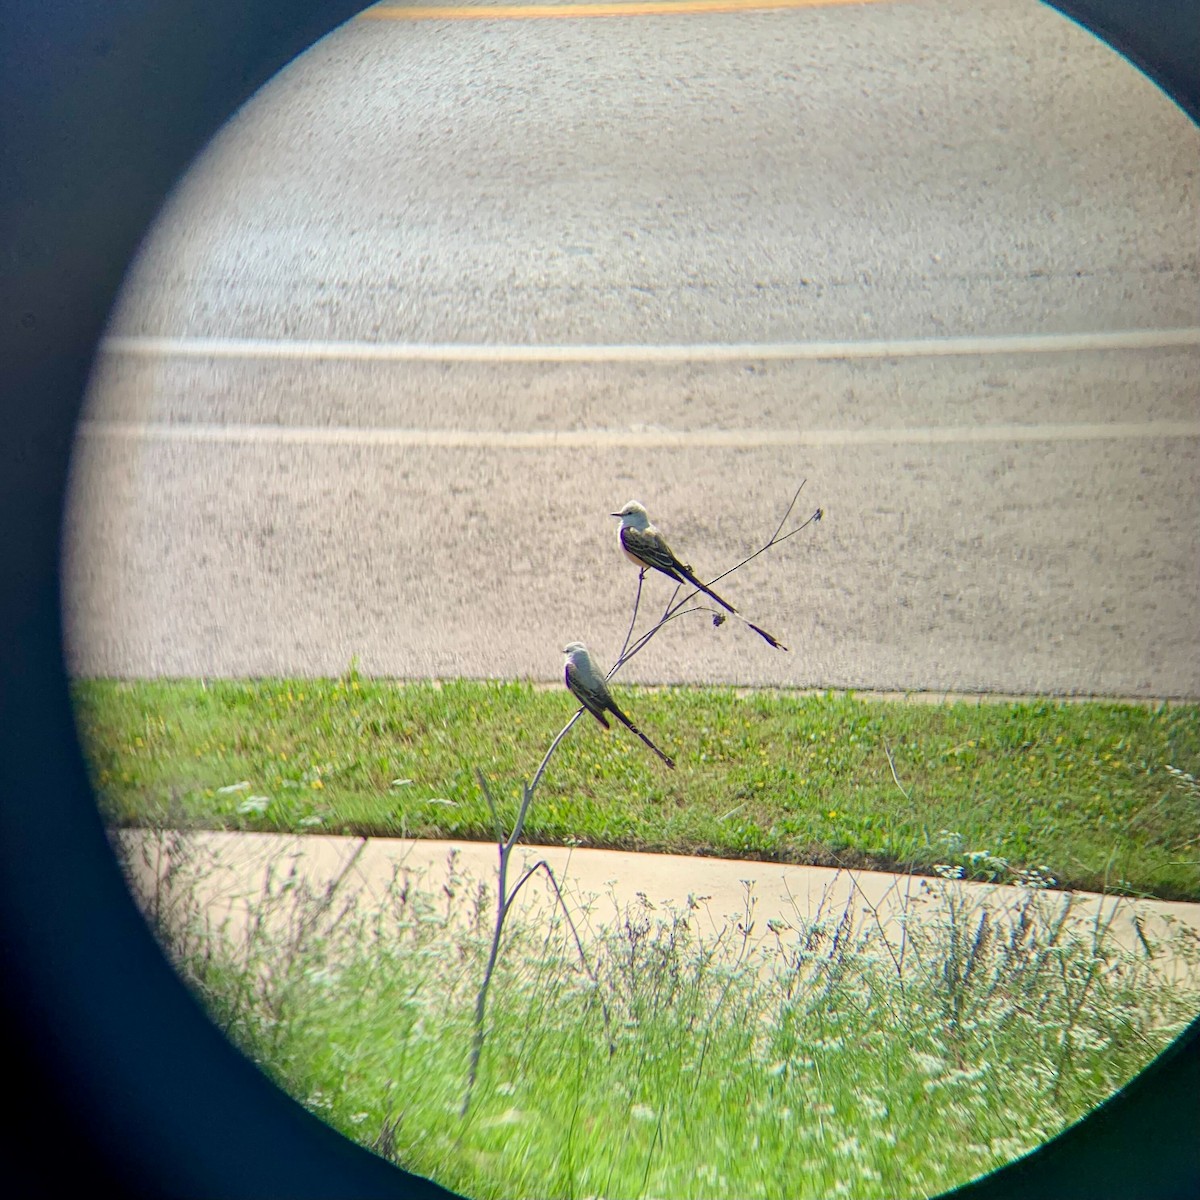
(115, 1076)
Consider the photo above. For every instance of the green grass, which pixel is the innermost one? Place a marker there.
(1078, 790)
(845, 1060)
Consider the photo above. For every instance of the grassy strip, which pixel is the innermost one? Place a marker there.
(1080, 792)
(845, 1060)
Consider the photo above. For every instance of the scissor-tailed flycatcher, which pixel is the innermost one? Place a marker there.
(645, 547)
(591, 690)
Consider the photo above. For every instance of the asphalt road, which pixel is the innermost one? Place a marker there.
(329, 425)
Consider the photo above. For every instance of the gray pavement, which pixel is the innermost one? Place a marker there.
(906, 169)
(1004, 520)
(1048, 568)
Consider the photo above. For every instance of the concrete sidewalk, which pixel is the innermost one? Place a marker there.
(766, 899)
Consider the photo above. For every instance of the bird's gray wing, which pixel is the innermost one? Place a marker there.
(651, 548)
(593, 699)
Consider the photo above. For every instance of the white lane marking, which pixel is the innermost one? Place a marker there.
(600, 439)
(261, 348)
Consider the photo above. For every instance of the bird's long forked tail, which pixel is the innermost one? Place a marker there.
(616, 712)
(691, 578)
(762, 633)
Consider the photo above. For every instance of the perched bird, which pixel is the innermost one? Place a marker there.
(644, 546)
(591, 690)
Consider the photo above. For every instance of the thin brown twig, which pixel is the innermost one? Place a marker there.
(544, 865)
(537, 777)
(307, 924)
(637, 599)
(775, 541)
(788, 513)
(504, 900)
(644, 640)
(487, 794)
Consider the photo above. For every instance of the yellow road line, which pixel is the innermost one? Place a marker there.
(602, 8)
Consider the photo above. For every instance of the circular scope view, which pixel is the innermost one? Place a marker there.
(631, 589)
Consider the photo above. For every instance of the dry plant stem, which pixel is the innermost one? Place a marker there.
(745, 928)
(896, 778)
(775, 541)
(788, 511)
(904, 927)
(1100, 932)
(543, 865)
(504, 897)
(309, 923)
(637, 599)
(874, 911)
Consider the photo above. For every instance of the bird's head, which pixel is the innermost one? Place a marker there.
(573, 648)
(634, 514)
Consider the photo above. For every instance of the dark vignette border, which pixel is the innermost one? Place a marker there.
(114, 1074)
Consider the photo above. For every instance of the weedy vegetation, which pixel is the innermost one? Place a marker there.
(836, 1056)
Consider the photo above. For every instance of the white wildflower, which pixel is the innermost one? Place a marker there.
(510, 1116)
(928, 1064)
